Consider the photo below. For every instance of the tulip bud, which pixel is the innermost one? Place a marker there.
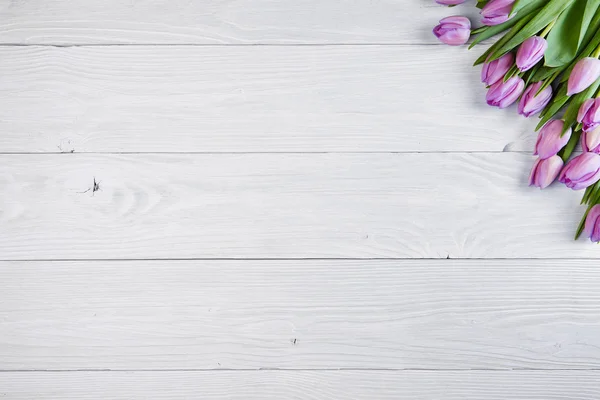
(585, 72)
(531, 52)
(549, 141)
(450, 2)
(503, 94)
(495, 70)
(544, 172)
(581, 172)
(530, 103)
(592, 224)
(496, 12)
(589, 114)
(453, 31)
(590, 141)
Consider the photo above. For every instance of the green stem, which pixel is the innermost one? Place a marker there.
(566, 152)
(596, 53)
(548, 28)
(582, 223)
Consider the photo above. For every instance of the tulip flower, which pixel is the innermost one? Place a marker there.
(450, 2)
(590, 141)
(592, 224)
(530, 103)
(544, 172)
(550, 141)
(453, 31)
(531, 52)
(589, 114)
(581, 172)
(503, 94)
(495, 70)
(496, 12)
(585, 72)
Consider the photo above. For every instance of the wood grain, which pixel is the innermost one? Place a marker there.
(283, 206)
(66, 22)
(250, 99)
(305, 385)
(418, 314)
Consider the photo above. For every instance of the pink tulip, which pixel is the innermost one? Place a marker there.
(544, 172)
(503, 94)
(453, 31)
(589, 114)
(549, 141)
(585, 72)
(590, 141)
(531, 52)
(581, 172)
(496, 12)
(495, 70)
(530, 103)
(592, 224)
(450, 2)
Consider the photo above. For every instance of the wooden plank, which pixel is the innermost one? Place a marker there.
(249, 314)
(250, 99)
(283, 206)
(67, 22)
(314, 385)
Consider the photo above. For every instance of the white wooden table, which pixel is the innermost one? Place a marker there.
(275, 199)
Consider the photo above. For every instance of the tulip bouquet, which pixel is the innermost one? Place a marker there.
(546, 60)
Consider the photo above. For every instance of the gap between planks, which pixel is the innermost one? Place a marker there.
(299, 370)
(217, 44)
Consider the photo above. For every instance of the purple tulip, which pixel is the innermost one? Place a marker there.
(589, 114)
(592, 224)
(496, 12)
(531, 52)
(544, 172)
(549, 141)
(495, 70)
(450, 2)
(581, 172)
(503, 94)
(530, 103)
(585, 72)
(590, 141)
(453, 31)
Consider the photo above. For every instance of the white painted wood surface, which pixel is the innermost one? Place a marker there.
(250, 99)
(283, 206)
(67, 22)
(300, 314)
(303, 385)
(222, 86)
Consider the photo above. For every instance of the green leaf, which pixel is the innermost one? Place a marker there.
(531, 73)
(494, 30)
(559, 100)
(547, 83)
(481, 3)
(515, 29)
(518, 5)
(582, 223)
(543, 73)
(568, 32)
(591, 41)
(589, 48)
(586, 195)
(545, 16)
(566, 152)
